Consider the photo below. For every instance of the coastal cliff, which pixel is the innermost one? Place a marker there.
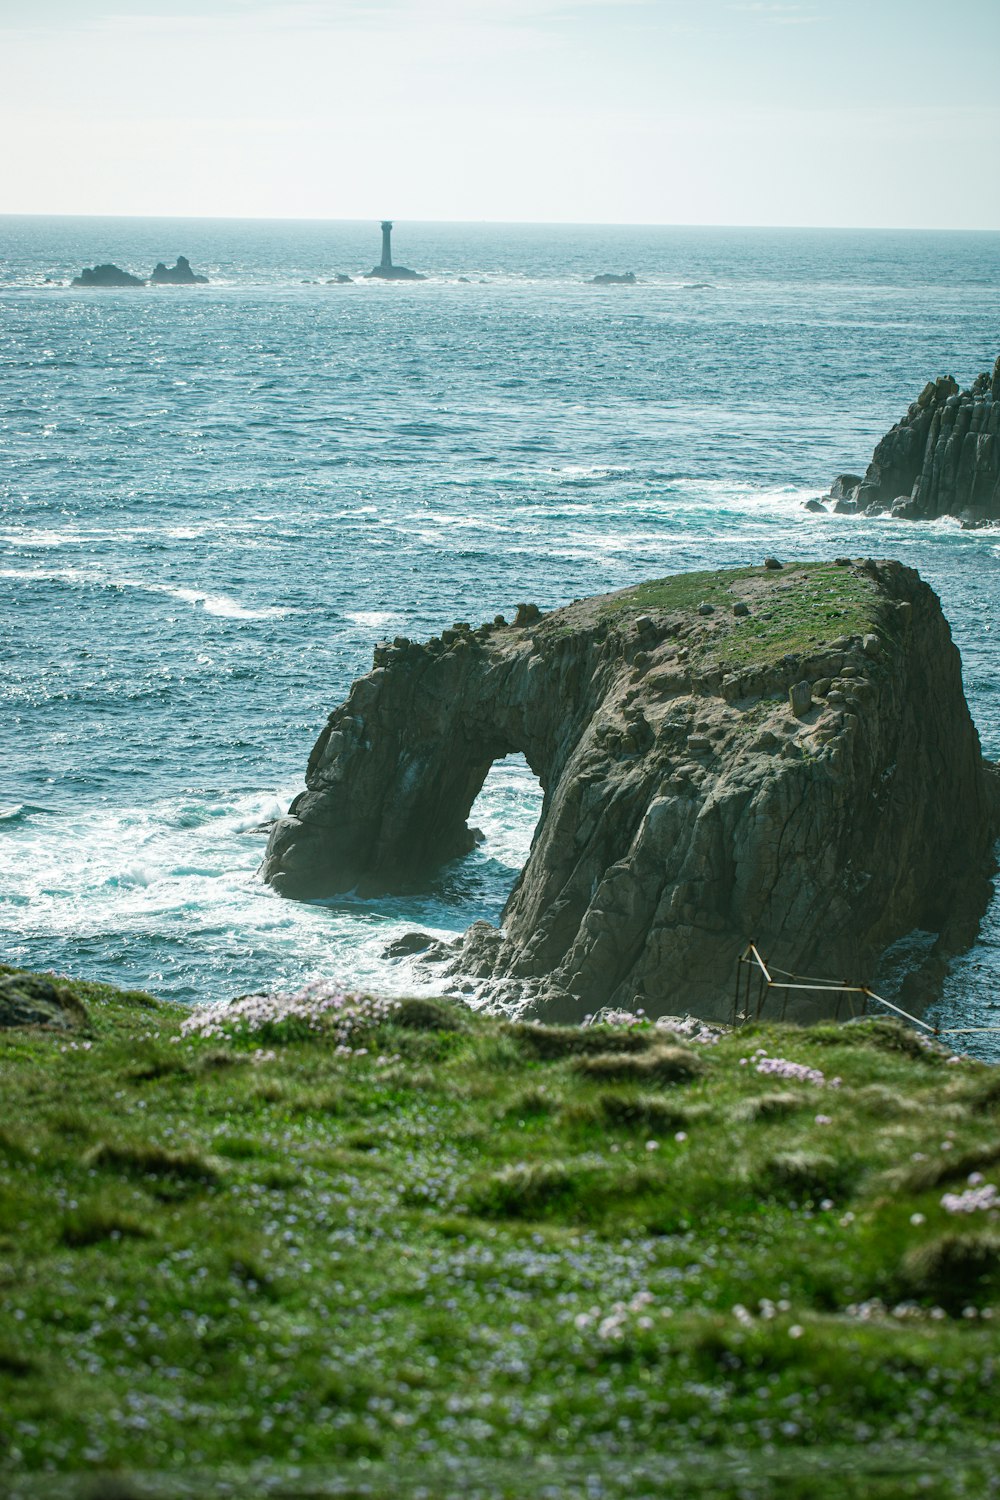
(777, 753)
(942, 459)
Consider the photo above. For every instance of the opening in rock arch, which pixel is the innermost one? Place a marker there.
(507, 812)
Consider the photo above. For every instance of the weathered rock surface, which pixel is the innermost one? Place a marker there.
(613, 278)
(36, 1000)
(805, 774)
(942, 459)
(106, 276)
(179, 275)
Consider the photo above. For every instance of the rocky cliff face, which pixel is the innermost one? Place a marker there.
(781, 754)
(943, 458)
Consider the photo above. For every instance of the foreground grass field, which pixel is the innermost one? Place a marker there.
(404, 1250)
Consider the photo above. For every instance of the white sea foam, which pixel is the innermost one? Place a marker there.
(371, 619)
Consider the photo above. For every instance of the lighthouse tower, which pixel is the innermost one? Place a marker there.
(385, 270)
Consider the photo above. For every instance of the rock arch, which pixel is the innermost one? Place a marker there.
(777, 753)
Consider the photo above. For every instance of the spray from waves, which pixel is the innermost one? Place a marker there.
(163, 895)
(371, 619)
(222, 605)
(213, 604)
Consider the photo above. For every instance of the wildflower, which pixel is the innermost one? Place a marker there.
(796, 1331)
(782, 1067)
(981, 1199)
(917, 1219)
(652, 1145)
(824, 1120)
(319, 1008)
(681, 1135)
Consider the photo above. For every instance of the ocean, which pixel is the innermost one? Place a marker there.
(214, 501)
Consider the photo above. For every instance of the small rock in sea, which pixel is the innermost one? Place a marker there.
(815, 506)
(410, 942)
(106, 276)
(179, 275)
(772, 563)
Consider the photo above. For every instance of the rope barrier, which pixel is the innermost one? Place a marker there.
(751, 956)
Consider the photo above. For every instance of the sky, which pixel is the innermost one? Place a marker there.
(854, 113)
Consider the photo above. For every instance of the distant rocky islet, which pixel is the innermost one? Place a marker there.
(110, 275)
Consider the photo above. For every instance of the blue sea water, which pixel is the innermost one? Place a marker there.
(214, 500)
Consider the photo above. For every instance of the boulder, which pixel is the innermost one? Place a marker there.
(37, 1000)
(612, 278)
(800, 698)
(846, 486)
(684, 809)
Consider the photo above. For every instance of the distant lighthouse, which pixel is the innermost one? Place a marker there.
(385, 270)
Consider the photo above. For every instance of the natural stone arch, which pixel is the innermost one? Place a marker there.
(779, 754)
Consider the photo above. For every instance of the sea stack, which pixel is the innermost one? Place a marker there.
(942, 459)
(783, 754)
(385, 270)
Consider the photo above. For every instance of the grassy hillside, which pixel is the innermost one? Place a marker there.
(402, 1250)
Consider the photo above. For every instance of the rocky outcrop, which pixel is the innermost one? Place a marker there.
(612, 278)
(106, 276)
(942, 459)
(179, 275)
(393, 273)
(778, 753)
(37, 1000)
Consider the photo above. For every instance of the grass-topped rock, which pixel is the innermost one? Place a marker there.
(781, 752)
(362, 1251)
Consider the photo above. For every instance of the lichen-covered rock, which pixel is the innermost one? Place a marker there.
(943, 458)
(687, 808)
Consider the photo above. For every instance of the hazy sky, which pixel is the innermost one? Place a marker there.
(826, 112)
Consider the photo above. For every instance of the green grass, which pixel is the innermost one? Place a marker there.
(798, 608)
(476, 1260)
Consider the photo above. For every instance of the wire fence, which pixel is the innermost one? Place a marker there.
(857, 998)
